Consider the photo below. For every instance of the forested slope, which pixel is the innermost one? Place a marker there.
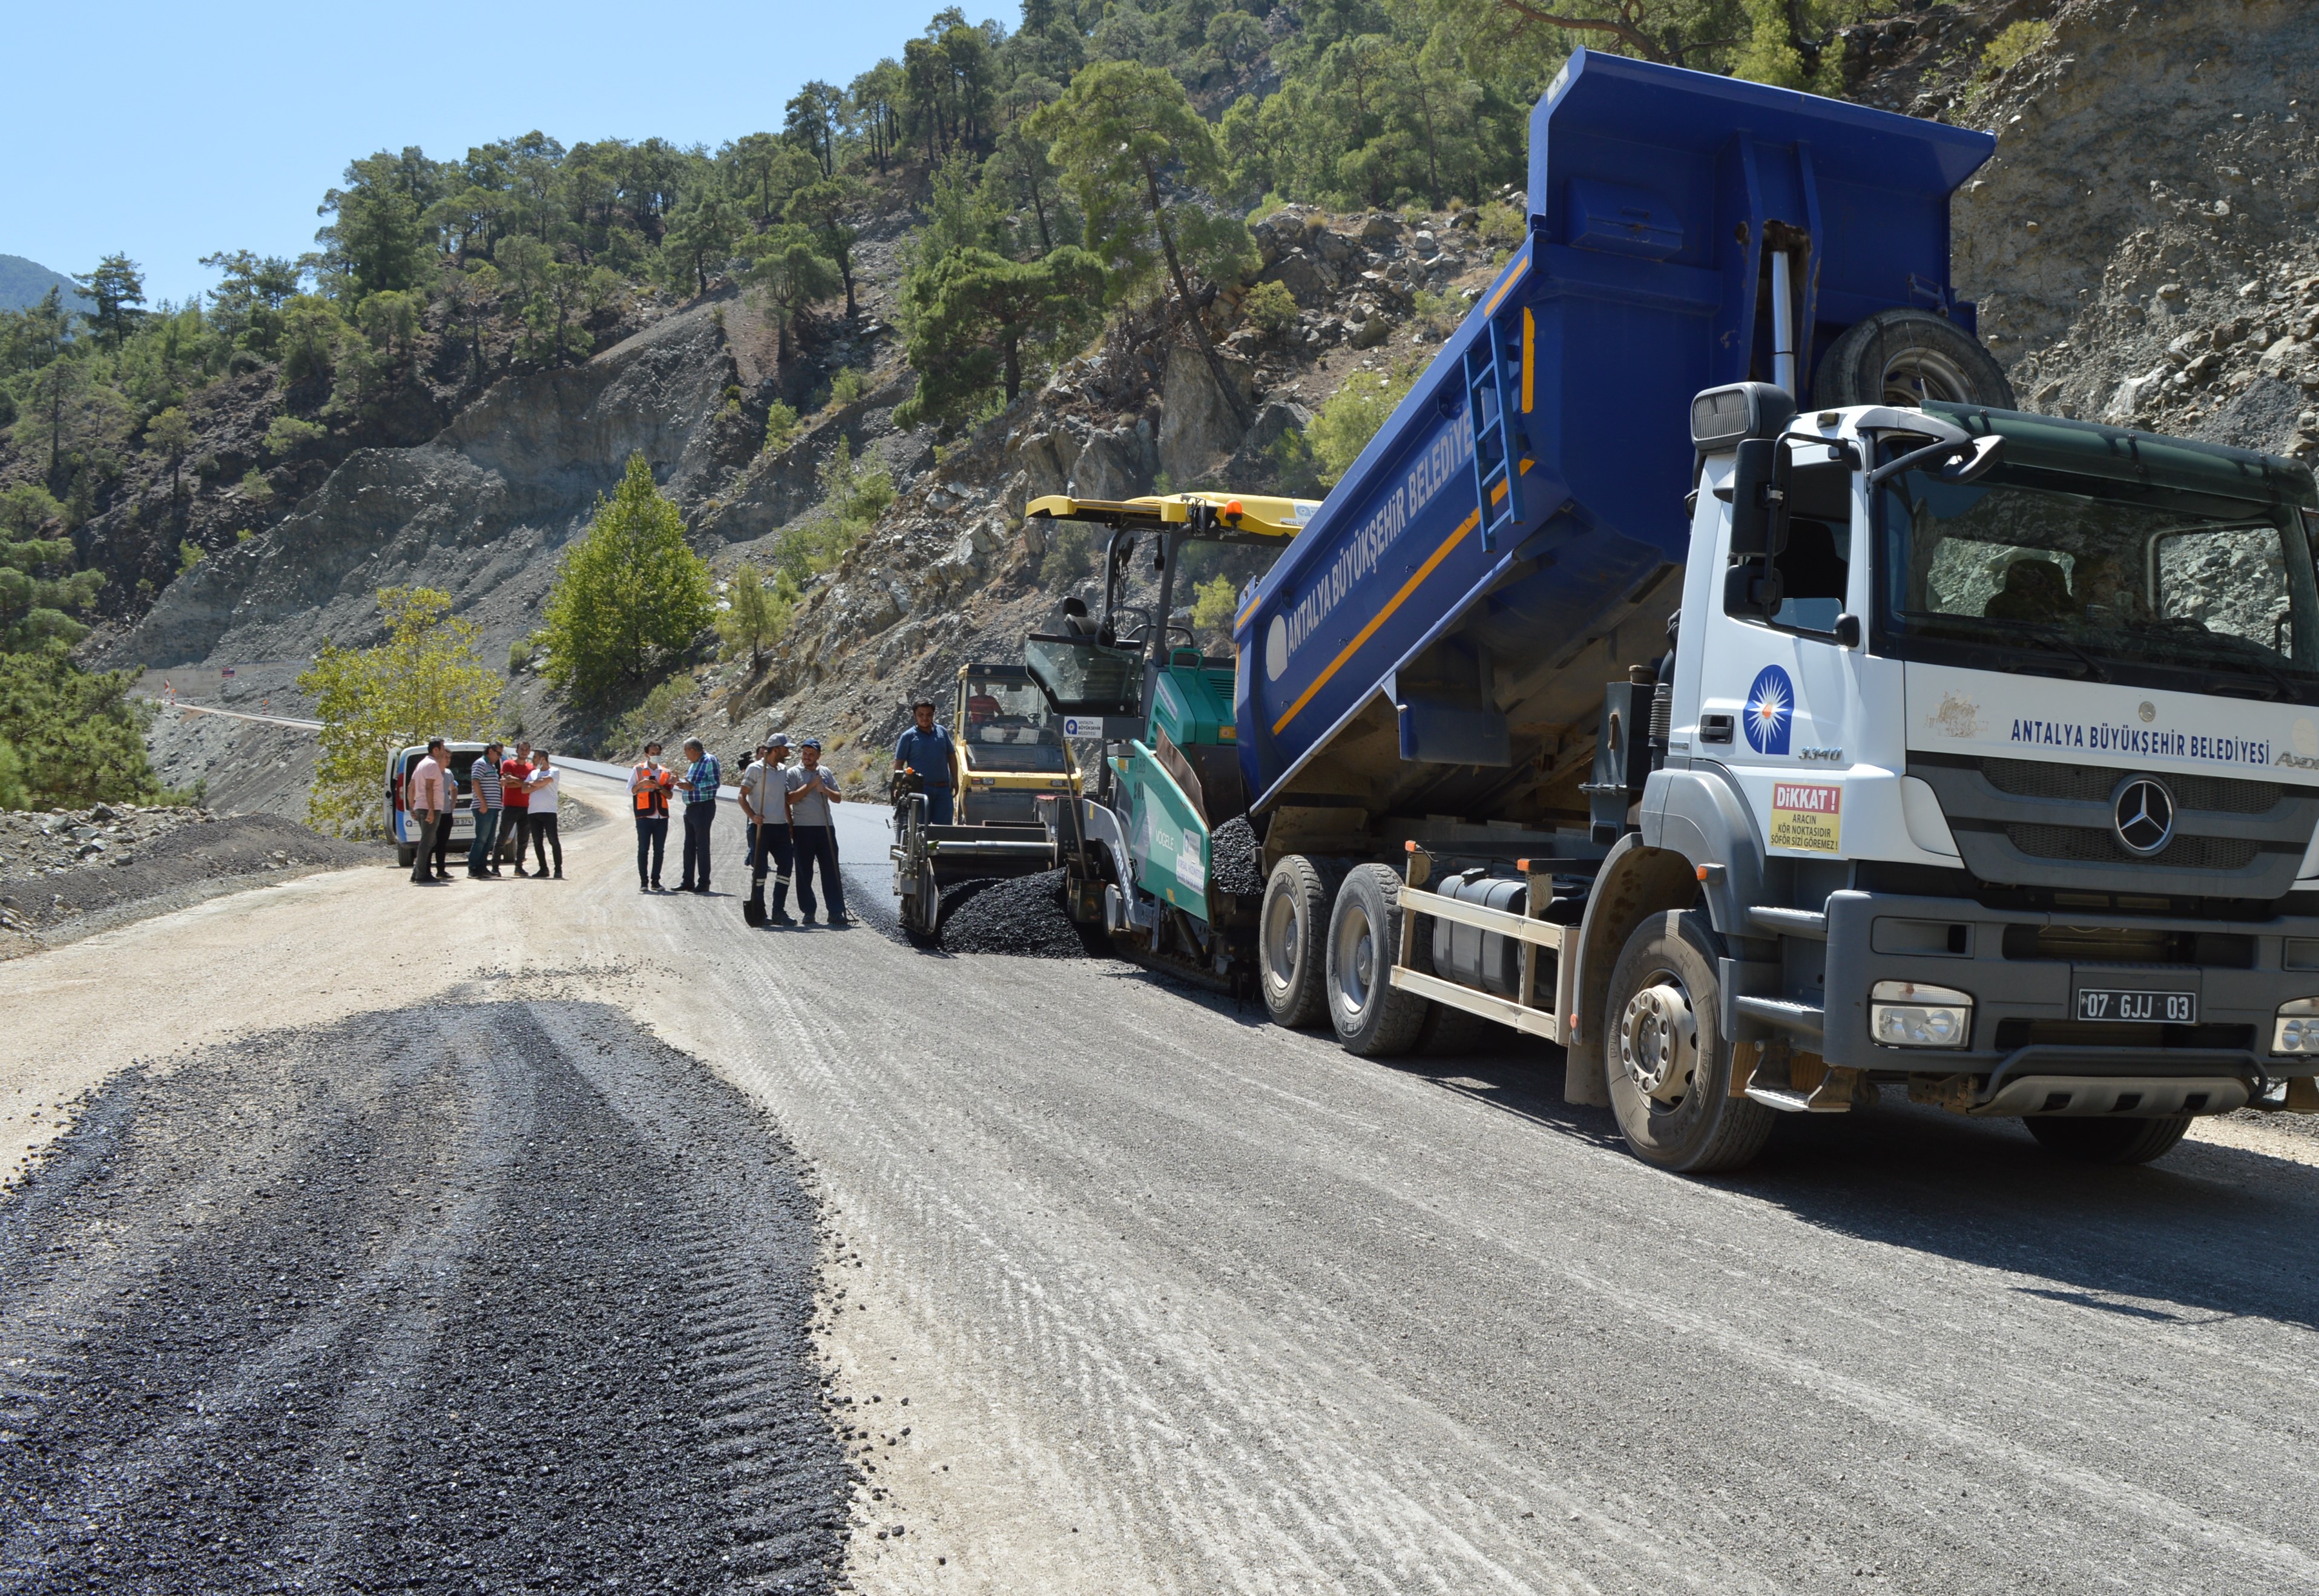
(1105, 244)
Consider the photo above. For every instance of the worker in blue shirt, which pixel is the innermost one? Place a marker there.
(926, 749)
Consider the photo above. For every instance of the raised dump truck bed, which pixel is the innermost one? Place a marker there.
(1436, 641)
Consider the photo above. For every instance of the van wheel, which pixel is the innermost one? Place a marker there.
(1373, 1017)
(1292, 925)
(406, 854)
(1906, 357)
(1669, 1063)
(2107, 1141)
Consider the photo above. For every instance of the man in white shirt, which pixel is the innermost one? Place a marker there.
(541, 789)
(811, 789)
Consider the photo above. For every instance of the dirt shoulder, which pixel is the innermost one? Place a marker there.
(65, 876)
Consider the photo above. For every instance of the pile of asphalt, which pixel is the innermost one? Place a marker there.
(1236, 864)
(506, 1296)
(1022, 915)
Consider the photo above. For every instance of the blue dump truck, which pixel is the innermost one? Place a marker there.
(1707, 670)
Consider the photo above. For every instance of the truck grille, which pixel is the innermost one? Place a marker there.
(2092, 784)
(2085, 844)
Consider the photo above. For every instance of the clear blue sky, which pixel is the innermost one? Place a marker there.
(169, 132)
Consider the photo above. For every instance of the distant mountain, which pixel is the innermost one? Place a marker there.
(23, 282)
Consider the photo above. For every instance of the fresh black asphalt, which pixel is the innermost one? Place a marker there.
(506, 1296)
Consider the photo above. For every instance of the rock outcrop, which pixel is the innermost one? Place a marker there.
(477, 511)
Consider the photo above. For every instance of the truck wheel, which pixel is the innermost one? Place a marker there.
(406, 854)
(1373, 1018)
(1906, 357)
(1669, 1063)
(2108, 1141)
(1292, 927)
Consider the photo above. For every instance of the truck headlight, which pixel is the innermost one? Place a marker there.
(1910, 1014)
(2296, 1028)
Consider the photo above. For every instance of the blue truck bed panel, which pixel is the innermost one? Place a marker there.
(1540, 463)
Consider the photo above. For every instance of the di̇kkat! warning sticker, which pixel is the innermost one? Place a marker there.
(1807, 818)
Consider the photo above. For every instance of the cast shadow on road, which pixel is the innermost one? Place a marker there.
(2209, 1232)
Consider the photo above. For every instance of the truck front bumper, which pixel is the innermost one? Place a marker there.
(2029, 1047)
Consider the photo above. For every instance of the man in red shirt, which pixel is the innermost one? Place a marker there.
(514, 772)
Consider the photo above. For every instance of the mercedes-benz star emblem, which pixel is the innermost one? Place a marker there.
(2145, 814)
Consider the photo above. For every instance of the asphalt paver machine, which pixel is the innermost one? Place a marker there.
(1009, 754)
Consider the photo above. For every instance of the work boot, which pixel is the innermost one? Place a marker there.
(780, 917)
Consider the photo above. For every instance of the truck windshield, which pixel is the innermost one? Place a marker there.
(2118, 580)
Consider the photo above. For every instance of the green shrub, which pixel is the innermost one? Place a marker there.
(1502, 224)
(1352, 418)
(1213, 607)
(189, 555)
(656, 716)
(1270, 306)
(848, 387)
(2015, 44)
(287, 434)
(780, 428)
(1069, 556)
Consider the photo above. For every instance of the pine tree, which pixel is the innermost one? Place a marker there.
(631, 593)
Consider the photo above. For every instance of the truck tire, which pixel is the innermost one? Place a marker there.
(1373, 1018)
(2107, 1141)
(406, 854)
(1668, 1062)
(1292, 931)
(1906, 357)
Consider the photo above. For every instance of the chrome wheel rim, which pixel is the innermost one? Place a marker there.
(1280, 941)
(1658, 1041)
(1356, 959)
(1915, 376)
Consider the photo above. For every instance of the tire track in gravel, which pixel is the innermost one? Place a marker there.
(503, 1296)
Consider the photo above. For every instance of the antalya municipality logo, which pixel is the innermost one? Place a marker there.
(1771, 711)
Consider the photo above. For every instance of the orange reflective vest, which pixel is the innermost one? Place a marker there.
(651, 791)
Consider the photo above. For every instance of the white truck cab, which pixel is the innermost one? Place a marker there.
(1995, 741)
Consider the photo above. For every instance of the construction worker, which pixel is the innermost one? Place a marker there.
(649, 782)
(810, 790)
(484, 780)
(765, 807)
(776, 846)
(702, 777)
(926, 749)
(426, 793)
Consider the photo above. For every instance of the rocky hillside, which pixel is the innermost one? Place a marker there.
(2146, 244)
(954, 573)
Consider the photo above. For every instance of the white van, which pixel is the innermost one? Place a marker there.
(402, 826)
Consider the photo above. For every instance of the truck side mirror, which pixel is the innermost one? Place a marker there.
(1759, 483)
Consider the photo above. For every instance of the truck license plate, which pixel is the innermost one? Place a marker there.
(2154, 1008)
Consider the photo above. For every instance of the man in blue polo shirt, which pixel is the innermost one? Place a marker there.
(925, 748)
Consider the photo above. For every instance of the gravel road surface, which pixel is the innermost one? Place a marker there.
(1180, 1302)
(504, 1296)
